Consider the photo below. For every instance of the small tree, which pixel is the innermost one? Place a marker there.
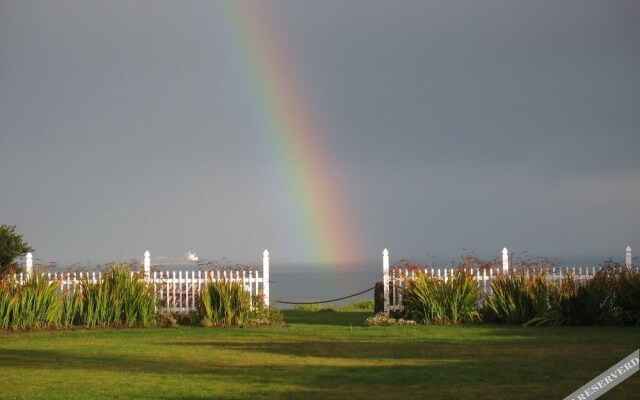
(11, 247)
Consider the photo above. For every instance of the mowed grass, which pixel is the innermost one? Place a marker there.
(316, 355)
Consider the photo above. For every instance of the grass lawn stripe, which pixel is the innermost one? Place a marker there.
(313, 357)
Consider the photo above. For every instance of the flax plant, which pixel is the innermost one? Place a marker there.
(429, 300)
(34, 304)
(71, 306)
(120, 298)
(518, 298)
(573, 303)
(224, 303)
(627, 296)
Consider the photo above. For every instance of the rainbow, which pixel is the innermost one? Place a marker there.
(295, 137)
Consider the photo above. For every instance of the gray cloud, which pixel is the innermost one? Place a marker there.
(127, 126)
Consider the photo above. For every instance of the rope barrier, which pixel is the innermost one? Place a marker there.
(324, 301)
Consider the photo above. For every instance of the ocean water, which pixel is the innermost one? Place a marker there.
(320, 285)
(311, 283)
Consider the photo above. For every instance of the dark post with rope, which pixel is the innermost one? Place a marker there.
(378, 298)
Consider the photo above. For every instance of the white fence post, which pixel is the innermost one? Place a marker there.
(385, 279)
(627, 261)
(505, 260)
(147, 264)
(265, 276)
(29, 265)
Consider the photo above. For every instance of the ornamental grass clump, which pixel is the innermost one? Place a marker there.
(518, 298)
(34, 304)
(430, 300)
(224, 303)
(627, 296)
(120, 298)
(573, 303)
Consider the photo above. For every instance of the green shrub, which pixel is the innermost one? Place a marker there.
(12, 246)
(427, 299)
(262, 314)
(167, 320)
(224, 303)
(176, 319)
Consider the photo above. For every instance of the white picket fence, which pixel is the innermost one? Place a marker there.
(394, 279)
(398, 277)
(177, 291)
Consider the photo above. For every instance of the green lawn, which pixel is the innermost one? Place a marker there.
(317, 355)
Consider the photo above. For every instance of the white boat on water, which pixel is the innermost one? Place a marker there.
(191, 257)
